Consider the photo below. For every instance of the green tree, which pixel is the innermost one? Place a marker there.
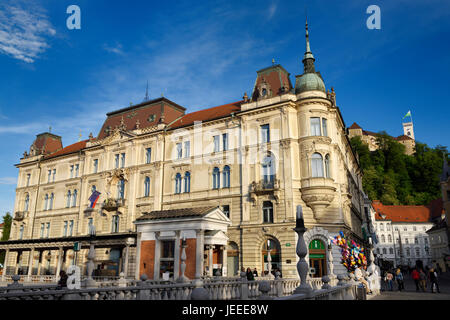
(7, 220)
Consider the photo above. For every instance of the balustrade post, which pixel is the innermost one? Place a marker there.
(264, 287)
(244, 286)
(183, 278)
(302, 265)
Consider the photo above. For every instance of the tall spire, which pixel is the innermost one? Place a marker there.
(146, 93)
(308, 58)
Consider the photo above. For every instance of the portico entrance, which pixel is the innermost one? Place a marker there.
(317, 258)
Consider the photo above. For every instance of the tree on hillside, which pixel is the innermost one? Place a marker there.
(7, 220)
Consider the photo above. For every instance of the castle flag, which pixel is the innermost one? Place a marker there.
(407, 115)
(93, 198)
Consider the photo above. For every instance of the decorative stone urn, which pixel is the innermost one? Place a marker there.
(318, 193)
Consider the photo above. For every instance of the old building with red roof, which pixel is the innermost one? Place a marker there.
(228, 180)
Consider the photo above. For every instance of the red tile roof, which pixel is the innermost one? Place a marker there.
(1, 225)
(355, 126)
(403, 137)
(69, 149)
(207, 114)
(408, 213)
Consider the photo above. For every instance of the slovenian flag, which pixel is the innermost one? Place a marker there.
(93, 198)
(408, 114)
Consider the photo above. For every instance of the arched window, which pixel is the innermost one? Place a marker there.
(317, 165)
(178, 183)
(391, 251)
(226, 177)
(27, 202)
(121, 189)
(69, 196)
(267, 212)
(147, 187)
(383, 238)
(389, 238)
(187, 182)
(46, 202)
(327, 166)
(268, 171)
(50, 206)
(216, 178)
(384, 251)
(74, 198)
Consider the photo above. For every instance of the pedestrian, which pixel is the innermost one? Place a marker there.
(399, 279)
(250, 276)
(423, 280)
(277, 274)
(390, 280)
(255, 272)
(416, 277)
(432, 275)
(62, 282)
(360, 278)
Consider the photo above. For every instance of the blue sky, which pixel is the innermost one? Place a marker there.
(206, 53)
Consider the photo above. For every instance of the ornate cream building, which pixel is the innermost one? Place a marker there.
(227, 179)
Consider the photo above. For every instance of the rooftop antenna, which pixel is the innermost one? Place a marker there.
(146, 93)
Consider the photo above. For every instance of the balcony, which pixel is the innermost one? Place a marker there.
(265, 186)
(318, 193)
(20, 215)
(112, 204)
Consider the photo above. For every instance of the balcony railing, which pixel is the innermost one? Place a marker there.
(112, 204)
(265, 185)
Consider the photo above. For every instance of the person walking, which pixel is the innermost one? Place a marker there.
(423, 280)
(390, 280)
(255, 272)
(250, 276)
(416, 277)
(432, 275)
(399, 279)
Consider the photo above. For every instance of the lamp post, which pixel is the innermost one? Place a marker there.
(302, 265)
(269, 259)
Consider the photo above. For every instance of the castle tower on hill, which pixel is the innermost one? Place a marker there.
(370, 138)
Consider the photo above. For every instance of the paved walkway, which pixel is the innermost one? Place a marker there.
(410, 292)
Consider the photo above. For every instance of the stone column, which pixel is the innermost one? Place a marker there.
(16, 269)
(125, 262)
(30, 264)
(210, 260)
(176, 260)
(199, 253)
(157, 256)
(6, 264)
(224, 261)
(138, 256)
(60, 259)
(41, 255)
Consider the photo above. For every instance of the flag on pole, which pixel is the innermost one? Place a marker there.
(407, 115)
(94, 198)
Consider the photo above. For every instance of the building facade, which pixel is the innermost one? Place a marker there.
(402, 234)
(226, 180)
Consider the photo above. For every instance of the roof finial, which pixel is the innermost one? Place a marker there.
(308, 58)
(146, 93)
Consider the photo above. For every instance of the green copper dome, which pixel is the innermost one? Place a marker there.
(309, 82)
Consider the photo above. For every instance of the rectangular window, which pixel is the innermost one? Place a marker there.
(28, 179)
(65, 229)
(42, 229)
(265, 133)
(179, 151)
(226, 210)
(216, 143)
(70, 228)
(225, 141)
(315, 126)
(71, 171)
(48, 230)
(95, 165)
(167, 257)
(324, 127)
(21, 233)
(54, 174)
(148, 155)
(90, 225)
(77, 167)
(122, 160)
(115, 224)
(49, 175)
(117, 160)
(187, 149)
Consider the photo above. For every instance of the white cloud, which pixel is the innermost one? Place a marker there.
(23, 33)
(117, 49)
(8, 180)
(272, 10)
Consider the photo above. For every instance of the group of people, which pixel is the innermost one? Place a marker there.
(252, 274)
(420, 276)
